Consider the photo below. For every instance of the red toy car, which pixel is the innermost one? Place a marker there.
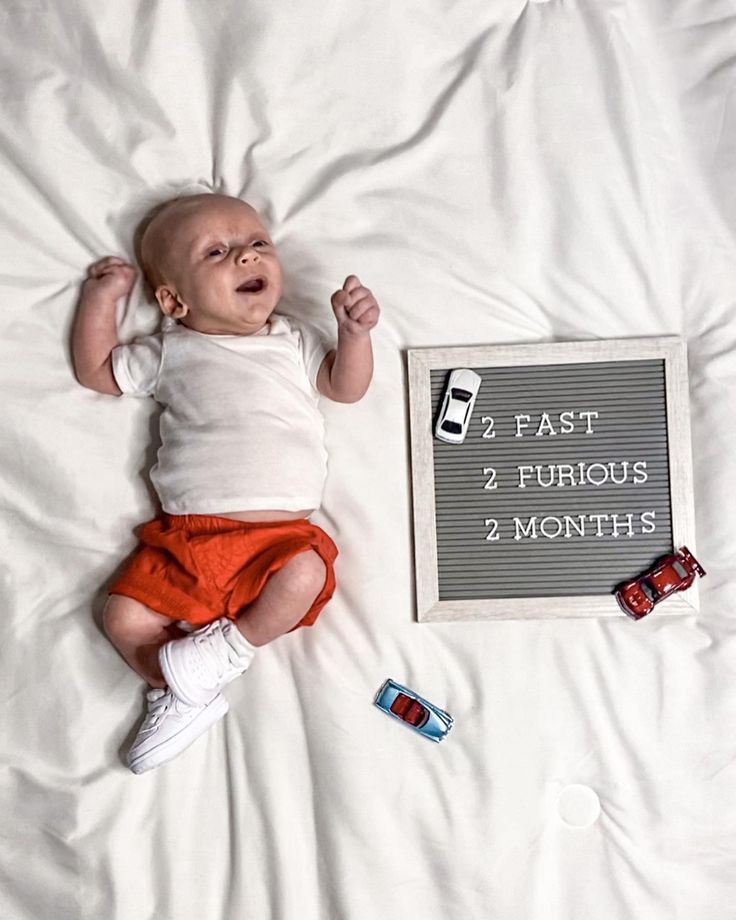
(669, 574)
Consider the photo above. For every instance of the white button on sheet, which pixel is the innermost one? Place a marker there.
(578, 805)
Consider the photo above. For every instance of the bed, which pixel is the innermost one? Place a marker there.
(497, 173)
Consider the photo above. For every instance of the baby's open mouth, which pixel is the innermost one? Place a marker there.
(252, 286)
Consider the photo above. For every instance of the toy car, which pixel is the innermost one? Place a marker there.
(457, 405)
(669, 574)
(413, 710)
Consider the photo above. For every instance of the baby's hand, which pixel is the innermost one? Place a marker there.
(356, 309)
(111, 276)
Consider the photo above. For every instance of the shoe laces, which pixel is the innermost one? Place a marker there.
(211, 644)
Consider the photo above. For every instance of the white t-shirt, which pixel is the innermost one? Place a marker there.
(240, 429)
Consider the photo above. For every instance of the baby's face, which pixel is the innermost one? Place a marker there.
(222, 272)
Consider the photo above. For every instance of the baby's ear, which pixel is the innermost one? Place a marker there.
(170, 303)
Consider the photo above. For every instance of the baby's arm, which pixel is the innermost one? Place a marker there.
(95, 329)
(346, 372)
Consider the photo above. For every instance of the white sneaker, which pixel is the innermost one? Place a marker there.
(198, 666)
(169, 727)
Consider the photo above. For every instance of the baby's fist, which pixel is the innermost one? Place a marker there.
(110, 276)
(356, 309)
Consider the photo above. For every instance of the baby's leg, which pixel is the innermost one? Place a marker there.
(138, 632)
(199, 666)
(169, 726)
(287, 596)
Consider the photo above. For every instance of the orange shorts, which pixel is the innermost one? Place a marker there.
(198, 568)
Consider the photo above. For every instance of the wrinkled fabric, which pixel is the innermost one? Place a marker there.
(198, 568)
(496, 173)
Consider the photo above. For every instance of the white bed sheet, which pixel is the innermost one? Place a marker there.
(497, 173)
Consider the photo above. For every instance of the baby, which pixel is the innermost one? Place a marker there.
(233, 556)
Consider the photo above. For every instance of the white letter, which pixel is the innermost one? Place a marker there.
(579, 527)
(598, 518)
(588, 416)
(647, 521)
(551, 468)
(544, 423)
(492, 534)
(591, 480)
(525, 533)
(566, 471)
(489, 432)
(640, 469)
(557, 521)
(624, 469)
(566, 421)
(522, 484)
(614, 521)
(519, 425)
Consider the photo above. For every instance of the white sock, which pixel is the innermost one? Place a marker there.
(237, 641)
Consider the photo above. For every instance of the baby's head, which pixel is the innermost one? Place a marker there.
(211, 264)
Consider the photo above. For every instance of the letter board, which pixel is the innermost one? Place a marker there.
(574, 475)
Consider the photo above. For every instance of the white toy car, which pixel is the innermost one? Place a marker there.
(457, 405)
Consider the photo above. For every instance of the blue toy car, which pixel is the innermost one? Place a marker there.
(413, 710)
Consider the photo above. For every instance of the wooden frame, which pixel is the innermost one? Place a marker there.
(671, 349)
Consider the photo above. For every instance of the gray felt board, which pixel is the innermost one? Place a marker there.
(586, 518)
